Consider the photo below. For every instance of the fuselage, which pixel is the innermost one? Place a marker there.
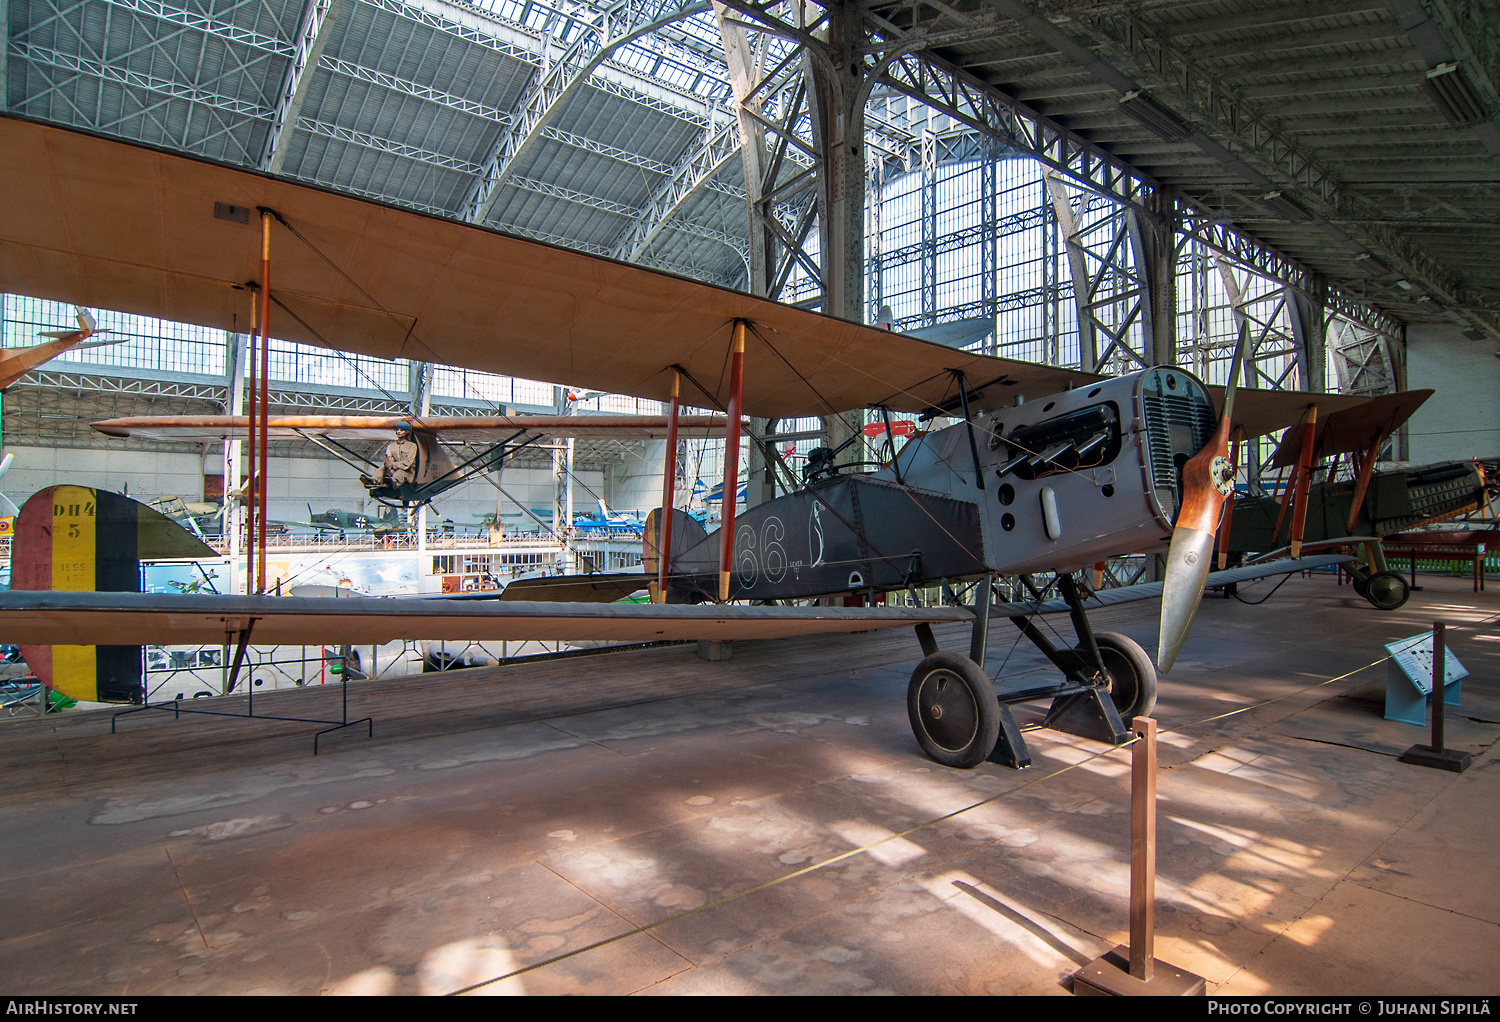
(1072, 478)
(1068, 479)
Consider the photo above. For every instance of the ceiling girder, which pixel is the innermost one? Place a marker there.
(702, 161)
(1244, 141)
(407, 87)
(318, 18)
(557, 81)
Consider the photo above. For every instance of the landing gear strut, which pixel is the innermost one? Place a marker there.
(960, 720)
(1373, 580)
(1129, 674)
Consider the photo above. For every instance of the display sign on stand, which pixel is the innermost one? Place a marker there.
(1409, 677)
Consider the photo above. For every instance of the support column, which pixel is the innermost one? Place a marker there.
(265, 398)
(568, 452)
(1309, 318)
(1116, 330)
(562, 488)
(420, 389)
(989, 248)
(1067, 226)
(4, 55)
(838, 121)
(927, 190)
(744, 65)
(1270, 317)
(839, 89)
(762, 483)
(1154, 232)
(668, 496)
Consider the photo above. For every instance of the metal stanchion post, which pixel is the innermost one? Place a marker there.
(1435, 755)
(1143, 850)
(1135, 970)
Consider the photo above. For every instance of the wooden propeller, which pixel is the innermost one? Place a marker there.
(1207, 480)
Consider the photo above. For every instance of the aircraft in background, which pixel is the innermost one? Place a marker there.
(607, 521)
(337, 519)
(387, 520)
(202, 518)
(1303, 511)
(1045, 470)
(17, 362)
(526, 520)
(715, 494)
(430, 455)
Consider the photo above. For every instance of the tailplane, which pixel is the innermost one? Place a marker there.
(80, 539)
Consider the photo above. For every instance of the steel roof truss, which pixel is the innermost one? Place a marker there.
(557, 82)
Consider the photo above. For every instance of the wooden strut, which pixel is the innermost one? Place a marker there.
(1287, 491)
(248, 488)
(1362, 481)
(1293, 496)
(890, 438)
(1234, 463)
(668, 495)
(239, 656)
(1304, 480)
(265, 397)
(731, 457)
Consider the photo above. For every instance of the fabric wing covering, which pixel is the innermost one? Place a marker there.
(476, 428)
(113, 225)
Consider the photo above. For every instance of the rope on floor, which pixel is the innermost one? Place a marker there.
(804, 871)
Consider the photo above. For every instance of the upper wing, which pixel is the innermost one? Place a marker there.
(115, 225)
(1351, 429)
(484, 429)
(1259, 412)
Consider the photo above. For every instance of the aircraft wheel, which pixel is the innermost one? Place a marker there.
(1132, 676)
(1387, 590)
(953, 710)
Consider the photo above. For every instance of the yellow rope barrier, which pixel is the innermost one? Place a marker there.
(930, 823)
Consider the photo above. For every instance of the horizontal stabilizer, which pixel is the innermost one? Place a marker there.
(597, 587)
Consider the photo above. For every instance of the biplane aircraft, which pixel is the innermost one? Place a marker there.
(1358, 511)
(1046, 469)
(410, 478)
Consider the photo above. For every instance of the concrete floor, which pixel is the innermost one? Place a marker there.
(501, 818)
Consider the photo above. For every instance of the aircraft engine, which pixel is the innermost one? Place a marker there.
(1075, 477)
